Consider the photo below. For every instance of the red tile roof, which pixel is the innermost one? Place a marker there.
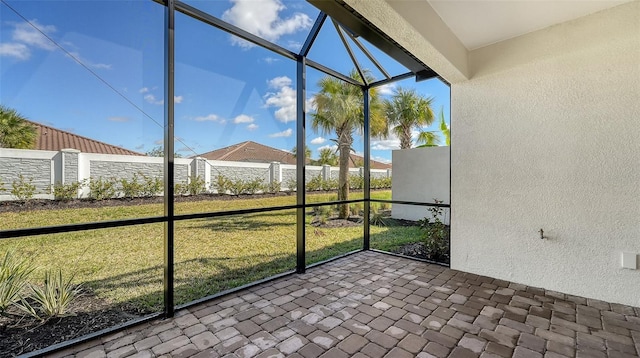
(253, 152)
(49, 138)
(250, 152)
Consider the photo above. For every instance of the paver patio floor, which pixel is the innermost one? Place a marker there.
(375, 305)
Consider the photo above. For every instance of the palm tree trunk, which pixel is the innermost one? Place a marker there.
(344, 146)
(405, 139)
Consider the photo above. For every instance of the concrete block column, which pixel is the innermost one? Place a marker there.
(70, 162)
(275, 173)
(326, 172)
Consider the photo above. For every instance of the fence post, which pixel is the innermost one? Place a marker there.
(326, 172)
(69, 166)
(275, 173)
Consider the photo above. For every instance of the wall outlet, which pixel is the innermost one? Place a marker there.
(629, 260)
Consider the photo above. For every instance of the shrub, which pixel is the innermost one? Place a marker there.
(356, 182)
(2, 188)
(273, 187)
(380, 183)
(377, 216)
(292, 185)
(13, 279)
(435, 235)
(315, 183)
(23, 189)
(237, 187)
(321, 214)
(67, 191)
(253, 186)
(101, 189)
(151, 186)
(196, 185)
(180, 189)
(131, 188)
(53, 298)
(356, 208)
(331, 184)
(222, 184)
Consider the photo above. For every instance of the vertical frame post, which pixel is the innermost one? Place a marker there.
(169, 90)
(366, 245)
(300, 164)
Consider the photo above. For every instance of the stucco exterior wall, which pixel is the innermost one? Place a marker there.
(546, 135)
(420, 175)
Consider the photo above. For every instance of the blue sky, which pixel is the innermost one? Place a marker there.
(100, 72)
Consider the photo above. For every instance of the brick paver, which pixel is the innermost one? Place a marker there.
(375, 305)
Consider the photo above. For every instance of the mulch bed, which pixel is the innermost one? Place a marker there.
(20, 335)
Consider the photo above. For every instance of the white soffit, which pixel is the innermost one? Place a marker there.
(478, 23)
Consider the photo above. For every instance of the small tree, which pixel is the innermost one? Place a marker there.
(340, 110)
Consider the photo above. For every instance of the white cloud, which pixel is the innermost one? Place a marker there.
(33, 35)
(270, 60)
(385, 144)
(209, 118)
(332, 147)
(318, 140)
(279, 82)
(27, 34)
(243, 118)
(159, 142)
(387, 89)
(19, 51)
(391, 143)
(294, 44)
(119, 119)
(252, 127)
(25, 37)
(284, 99)
(285, 133)
(262, 18)
(76, 57)
(152, 99)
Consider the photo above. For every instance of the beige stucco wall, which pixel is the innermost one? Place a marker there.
(546, 134)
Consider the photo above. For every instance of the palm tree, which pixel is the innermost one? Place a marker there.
(407, 110)
(444, 128)
(15, 131)
(431, 139)
(327, 157)
(307, 152)
(340, 110)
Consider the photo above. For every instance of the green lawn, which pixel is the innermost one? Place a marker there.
(125, 264)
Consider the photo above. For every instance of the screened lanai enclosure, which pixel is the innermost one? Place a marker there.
(186, 150)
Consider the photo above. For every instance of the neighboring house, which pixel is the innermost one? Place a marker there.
(253, 152)
(250, 152)
(49, 138)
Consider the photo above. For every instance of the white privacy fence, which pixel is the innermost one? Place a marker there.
(46, 168)
(421, 175)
